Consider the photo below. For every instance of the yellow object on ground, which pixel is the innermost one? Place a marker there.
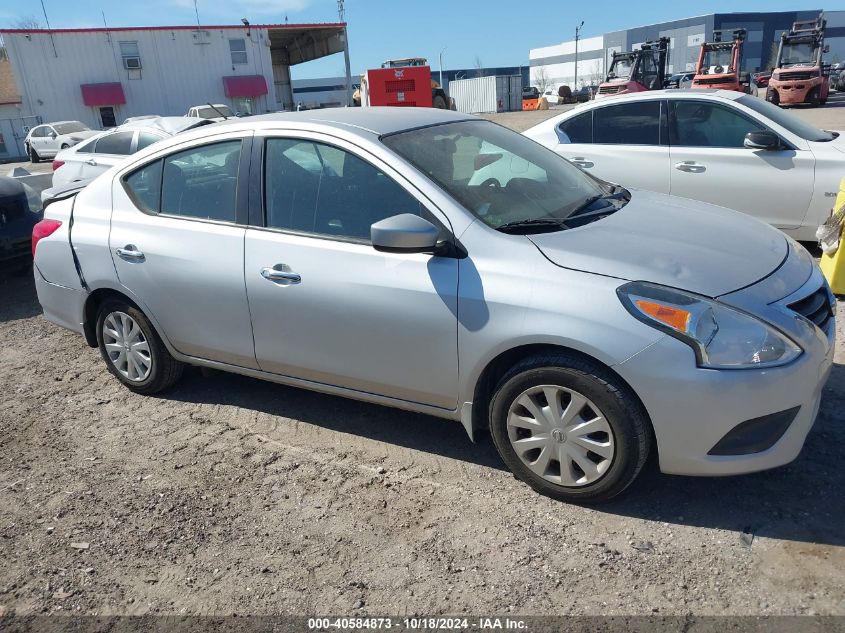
(833, 266)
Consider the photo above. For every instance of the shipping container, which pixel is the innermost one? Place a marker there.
(487, 94)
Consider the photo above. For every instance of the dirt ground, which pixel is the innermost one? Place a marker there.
(232, 495)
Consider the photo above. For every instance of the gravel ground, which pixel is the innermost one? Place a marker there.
(233, 495)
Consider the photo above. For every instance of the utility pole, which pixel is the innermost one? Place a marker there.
(441, 66)
(341, 14)
(577, 35)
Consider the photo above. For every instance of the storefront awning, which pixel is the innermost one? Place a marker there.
(244, 86)
(107, 94)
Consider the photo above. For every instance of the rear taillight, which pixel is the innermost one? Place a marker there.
(44, 228)
(57, 164)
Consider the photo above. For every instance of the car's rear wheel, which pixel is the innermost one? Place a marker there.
(33, 155)
(132, 349)
(65, 145)
(569, 428)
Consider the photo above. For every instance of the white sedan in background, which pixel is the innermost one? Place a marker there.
(722, 147)
(45, 141)
(107, 149)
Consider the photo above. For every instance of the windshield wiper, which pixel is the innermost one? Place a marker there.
(518, 226)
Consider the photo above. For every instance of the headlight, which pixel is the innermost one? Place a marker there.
(720, 336)
(776, 76)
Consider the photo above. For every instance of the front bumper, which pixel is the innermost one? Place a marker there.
(793, 92)
(692, 409)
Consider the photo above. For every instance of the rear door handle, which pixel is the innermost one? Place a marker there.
(690, 166)
(130, 253)
(582, 162)
(281, 274)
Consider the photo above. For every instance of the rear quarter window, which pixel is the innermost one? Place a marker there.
(578, 129)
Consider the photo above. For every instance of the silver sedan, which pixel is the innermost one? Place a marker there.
(435, 262)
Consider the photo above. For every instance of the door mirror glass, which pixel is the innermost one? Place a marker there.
(404, 233)
(53, 135)
(762, 139)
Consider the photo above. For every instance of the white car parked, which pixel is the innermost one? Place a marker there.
(722, 147)
(214, 112)
(107, 149)
(45, 141)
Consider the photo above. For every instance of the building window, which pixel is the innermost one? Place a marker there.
(238, 50)
(131, 56)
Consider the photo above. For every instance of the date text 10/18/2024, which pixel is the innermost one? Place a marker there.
(429, 623)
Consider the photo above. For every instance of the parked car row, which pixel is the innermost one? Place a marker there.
(440, 263)
(105, 150)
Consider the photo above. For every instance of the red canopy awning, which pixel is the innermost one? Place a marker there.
(244, 86)
(106, 94)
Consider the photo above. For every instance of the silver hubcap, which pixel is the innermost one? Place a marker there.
(560, 435)
(127, 347)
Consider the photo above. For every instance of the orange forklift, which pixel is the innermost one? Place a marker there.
(636, 71)
(800, 76)
(720, 62)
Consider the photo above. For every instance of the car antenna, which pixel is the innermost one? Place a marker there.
(217, 111)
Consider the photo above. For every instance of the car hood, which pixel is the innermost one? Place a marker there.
(671, 241)
(80, 136)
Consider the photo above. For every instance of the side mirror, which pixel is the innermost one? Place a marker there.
(53, 135)
(404, 233)
(764, 140)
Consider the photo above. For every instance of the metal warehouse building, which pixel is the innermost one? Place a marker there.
(555, 65)
(101, 76)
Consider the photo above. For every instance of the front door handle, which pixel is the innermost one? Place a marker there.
(690, 166)
(130, 253)
(281, 274)
(91, 162)
(582, 162)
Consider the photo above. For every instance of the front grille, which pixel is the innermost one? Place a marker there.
(399, 85)
(717, 80)
(609, 90)
(794, 76)
(815, 308)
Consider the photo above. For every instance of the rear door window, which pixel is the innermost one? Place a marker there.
(119, 143)
(578, 129)
(634, 123)
(202, 182)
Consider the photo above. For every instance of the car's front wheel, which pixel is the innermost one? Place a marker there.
(132, 349)
(569, 428)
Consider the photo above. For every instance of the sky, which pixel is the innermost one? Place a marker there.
(467, 32)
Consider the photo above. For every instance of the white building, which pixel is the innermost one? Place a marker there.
(101, 76)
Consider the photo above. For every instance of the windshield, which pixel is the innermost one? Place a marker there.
(785, 119)
(621, 68)
(500, 176)
(70, 127)
(717, 59)
(799, 53)
(217, 111)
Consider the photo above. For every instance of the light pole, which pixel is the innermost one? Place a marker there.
(441, 66)
(577, 34)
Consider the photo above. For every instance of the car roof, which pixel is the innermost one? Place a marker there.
(61, 122)
(731, 95)
(379, 120)
(169, 125)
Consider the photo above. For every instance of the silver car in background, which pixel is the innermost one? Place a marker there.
(357, 252)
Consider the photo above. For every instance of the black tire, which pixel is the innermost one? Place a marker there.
(813, 97)
(440, 103)
(165, 370)
(772, 96)
(33, 155)
(65, 145)
(632, 434)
